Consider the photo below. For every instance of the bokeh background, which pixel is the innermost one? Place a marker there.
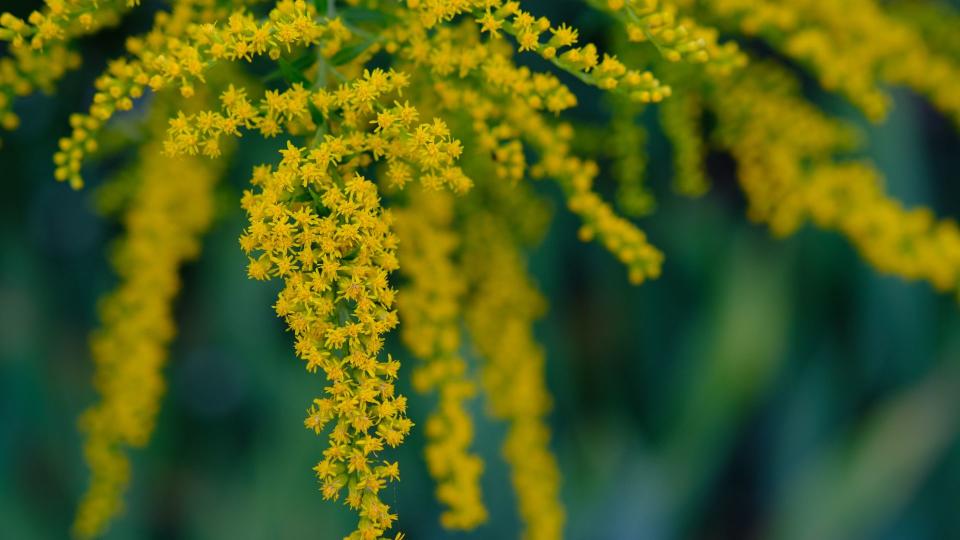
(760, 389)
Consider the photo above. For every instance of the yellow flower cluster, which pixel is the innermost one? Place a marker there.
(460, 52)
(911, 244)
(621, 237)
(576, 176)
(430, 308)
(277, 112)
(625, 144)
(170, 207)
(854, 47)
(38, 53)
(331, 243)
(771, 161)
(178, 51)
(317, 223)
(583, 62)
(492, 136)
(680, 118)
(676, 38)
(790, 176)
(60, 19)
(500, 315)
(425, 151)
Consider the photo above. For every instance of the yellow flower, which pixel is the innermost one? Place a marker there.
(170, 206)
(430, 310)
(500, 314)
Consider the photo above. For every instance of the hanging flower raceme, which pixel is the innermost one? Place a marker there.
(793, 177)
(317, 223)
(500, 313)
(431, 310)
(170, 207)
(332, 244)
(853, 47)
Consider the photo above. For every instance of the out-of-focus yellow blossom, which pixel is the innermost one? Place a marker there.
(625, 144)
(853, 47)
(935, 22)
(680, 118)
(500, 314)
(517, 210)
(791, 176)
(431, 310)
(170, 208)
(771, 161)
(911, 244)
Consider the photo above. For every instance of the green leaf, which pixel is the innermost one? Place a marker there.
(300, 65)
(305, 61)
(316, 115)
(358, 15)
(347, 54)
(292, 73)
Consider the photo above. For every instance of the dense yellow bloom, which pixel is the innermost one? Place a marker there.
(334, 258)
(170, 207)
(460, 52)
(317, 223)
(178, 51)
(771, 161)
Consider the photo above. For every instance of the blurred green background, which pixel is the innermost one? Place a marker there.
(760, 389)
